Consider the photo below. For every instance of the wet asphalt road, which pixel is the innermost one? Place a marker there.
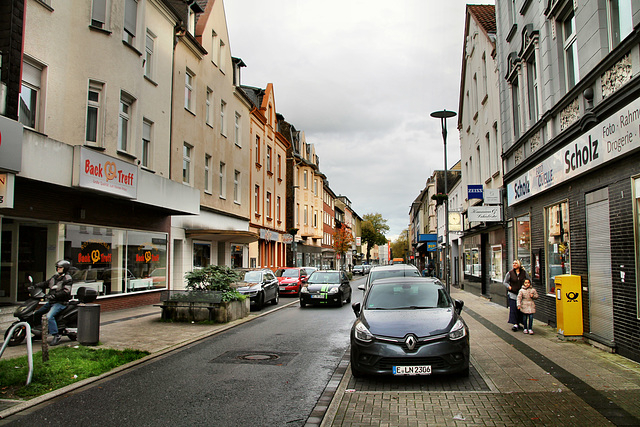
(270, 371)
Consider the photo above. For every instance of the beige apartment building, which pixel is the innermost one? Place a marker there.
(85, 149)
(211, 144)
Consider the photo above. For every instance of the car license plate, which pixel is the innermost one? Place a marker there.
(412, 370)
(317, 296)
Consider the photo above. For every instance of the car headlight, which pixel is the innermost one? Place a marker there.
(333, 290)
(458, 331)
(362, 333)
(304, 290)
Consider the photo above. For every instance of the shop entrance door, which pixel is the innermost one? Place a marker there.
(24, 253)
(599, 258)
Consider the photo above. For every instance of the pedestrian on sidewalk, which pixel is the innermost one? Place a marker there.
(513, 281)
(526, 305)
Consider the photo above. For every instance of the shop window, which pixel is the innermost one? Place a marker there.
(113, 261)
(476, 265)
(558, 260)
(201, 255)
(496, 264)
(523, 242)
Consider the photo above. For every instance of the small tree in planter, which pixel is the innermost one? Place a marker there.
(215, 278)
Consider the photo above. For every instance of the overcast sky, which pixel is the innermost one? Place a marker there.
(360, 78)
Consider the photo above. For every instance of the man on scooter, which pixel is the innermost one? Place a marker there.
(59, 293)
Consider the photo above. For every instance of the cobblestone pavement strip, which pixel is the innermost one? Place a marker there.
(516, 379)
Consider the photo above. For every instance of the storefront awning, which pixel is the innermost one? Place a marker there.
(235, 236)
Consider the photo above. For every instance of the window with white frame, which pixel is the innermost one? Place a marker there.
(256, 199)
(268, 208)
(215, 44)
(315, 187)
(238, 129)
(148, 55)
(484, 75)
(304, 180)
(124, 122)
(257, 150)
(223, 110)
(279, 166)
(269, 159)
(306, 215)
(130, 21)
(222, 181)
(93, 133)
(515, 106)
(209, 107)
(236, 187)
(532, 89)
(474, 93)
(570, 47)
(28, 113)
(487, 151)
(145, 157)
(222, 55)
(278, 217)
(189, 78)
(297, 213)
(186, 163)
(619, 22)
(495, 149)
(99, 14)
(191, 22)
(207, 173)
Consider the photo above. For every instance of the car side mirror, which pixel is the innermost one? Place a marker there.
(356, 308)
(458, 304)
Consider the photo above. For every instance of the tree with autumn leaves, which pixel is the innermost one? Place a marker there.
(342, 241)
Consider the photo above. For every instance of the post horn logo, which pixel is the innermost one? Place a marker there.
(572, 296)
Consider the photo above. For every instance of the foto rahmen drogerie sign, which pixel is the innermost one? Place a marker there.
(609, 140)
(100, 172)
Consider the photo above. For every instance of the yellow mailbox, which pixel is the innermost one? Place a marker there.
(568, 305)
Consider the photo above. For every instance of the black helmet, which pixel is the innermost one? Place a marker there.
(64, 264)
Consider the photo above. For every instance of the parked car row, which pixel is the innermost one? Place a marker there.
(361, 269)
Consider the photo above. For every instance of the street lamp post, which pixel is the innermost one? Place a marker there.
(443, 116)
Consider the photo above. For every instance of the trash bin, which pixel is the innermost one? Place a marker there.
(568, 305)
(88, 317)
(88, 324)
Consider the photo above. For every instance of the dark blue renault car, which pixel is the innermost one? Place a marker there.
(409, 326)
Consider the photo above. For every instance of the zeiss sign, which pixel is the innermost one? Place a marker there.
(474, 192)
(613, 138)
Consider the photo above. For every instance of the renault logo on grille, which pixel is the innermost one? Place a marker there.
(411, 341)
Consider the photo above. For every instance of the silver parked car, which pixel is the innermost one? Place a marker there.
(261, 286)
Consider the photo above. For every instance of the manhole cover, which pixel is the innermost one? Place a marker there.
(259, 357)
(256, 357)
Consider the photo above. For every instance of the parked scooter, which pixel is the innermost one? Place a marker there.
(67, 319)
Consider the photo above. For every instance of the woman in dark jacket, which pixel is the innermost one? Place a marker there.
(513, 282)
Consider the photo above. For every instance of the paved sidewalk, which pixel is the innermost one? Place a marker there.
(532, 380)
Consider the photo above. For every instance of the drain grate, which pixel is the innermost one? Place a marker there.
(255, 357)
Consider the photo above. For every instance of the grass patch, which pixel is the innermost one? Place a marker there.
(66, 365)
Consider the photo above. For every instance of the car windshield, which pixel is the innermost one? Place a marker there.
(252, 276)
(324, 277)
(382, 274)
(392, 296)
(289, 272)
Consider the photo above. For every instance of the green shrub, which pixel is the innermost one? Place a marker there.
(215, 278)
